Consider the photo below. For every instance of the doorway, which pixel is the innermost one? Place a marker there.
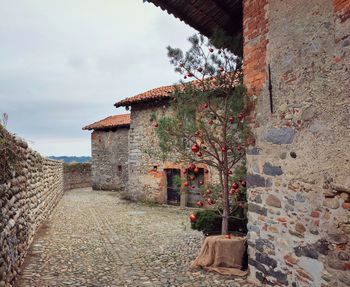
(173, 186)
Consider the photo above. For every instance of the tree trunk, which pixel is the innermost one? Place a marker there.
(225, 215)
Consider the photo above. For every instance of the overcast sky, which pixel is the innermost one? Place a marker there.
(64, 63)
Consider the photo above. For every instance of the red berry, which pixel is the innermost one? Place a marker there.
(193, 186)
(199, 154)
(200, 70)
(223, 149)
(186, 184)
(206, 171)
(192, 166)
(211, 50)
(192, 177)
(243, 183)
(206, 106)
(241, 116)
(199, 203)
(193, 217)
(196, 170)
(195, 148)
(231, 119)
(227, 236)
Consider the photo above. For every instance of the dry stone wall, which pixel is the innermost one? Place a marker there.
(110, 159)
(77, 175)
(299, 188)
(25, 201)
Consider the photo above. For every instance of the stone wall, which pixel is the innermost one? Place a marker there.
(299, 218)
(25, 201)
(147, 179)
(77, 175)
(109, 159)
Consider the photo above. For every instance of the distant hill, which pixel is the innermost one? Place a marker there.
(69, 159)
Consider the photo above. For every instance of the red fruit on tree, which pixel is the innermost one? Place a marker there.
(234, 185)
(192, 177)
(231, 119)
(243, 183)
(186, 183)
(193, 217)
(200, 203)
(223, 149)
(196, 170)
(210, 201)
(206, 105)
(192, 166)
(195, 148)
(241, 116)
(199, 154)
(206, 171)
(193, 186)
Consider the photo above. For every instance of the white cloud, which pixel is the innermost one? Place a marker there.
(65, 63)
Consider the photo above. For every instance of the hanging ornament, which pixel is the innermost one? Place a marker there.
(193, 217)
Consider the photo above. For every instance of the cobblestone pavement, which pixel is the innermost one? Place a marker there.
(96, 239)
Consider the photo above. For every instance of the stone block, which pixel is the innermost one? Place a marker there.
(280, 135)
(273, 200)
(272, 170)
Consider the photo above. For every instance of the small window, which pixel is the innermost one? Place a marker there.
(120, 168)
(155, 168)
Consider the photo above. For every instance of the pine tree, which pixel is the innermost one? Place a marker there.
(207, 124)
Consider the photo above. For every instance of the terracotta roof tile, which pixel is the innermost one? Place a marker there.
(151, 95)
(110, 122)
(155, 94)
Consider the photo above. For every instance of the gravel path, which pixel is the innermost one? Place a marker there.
(97, 239)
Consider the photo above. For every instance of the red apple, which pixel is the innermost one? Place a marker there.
(186, 183)
(200, 203)
(234, 185)
(196, 170)
(195, 148)
(231, 119)
(206, 171)
(192, 177)
(241, 116)
(193, 217)
(193, 186)
(243, 183)
(223, 149)
(210, 201)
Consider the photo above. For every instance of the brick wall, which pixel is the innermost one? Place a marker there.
(109, 159)
(255, 31)
(299, 217)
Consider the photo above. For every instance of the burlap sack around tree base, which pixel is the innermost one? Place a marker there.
(222, 255)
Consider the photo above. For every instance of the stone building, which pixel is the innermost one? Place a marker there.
(296, 63)
(109, 149)
(151, 178)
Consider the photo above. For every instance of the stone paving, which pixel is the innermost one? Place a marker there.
(97, 239)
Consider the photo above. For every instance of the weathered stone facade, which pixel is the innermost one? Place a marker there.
(299, 218)
(147, 171)
(109, 158)
(77, 175)
(25, 201)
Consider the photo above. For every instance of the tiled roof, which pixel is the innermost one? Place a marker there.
(110, 122)
(158, 94)
(151, 95)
